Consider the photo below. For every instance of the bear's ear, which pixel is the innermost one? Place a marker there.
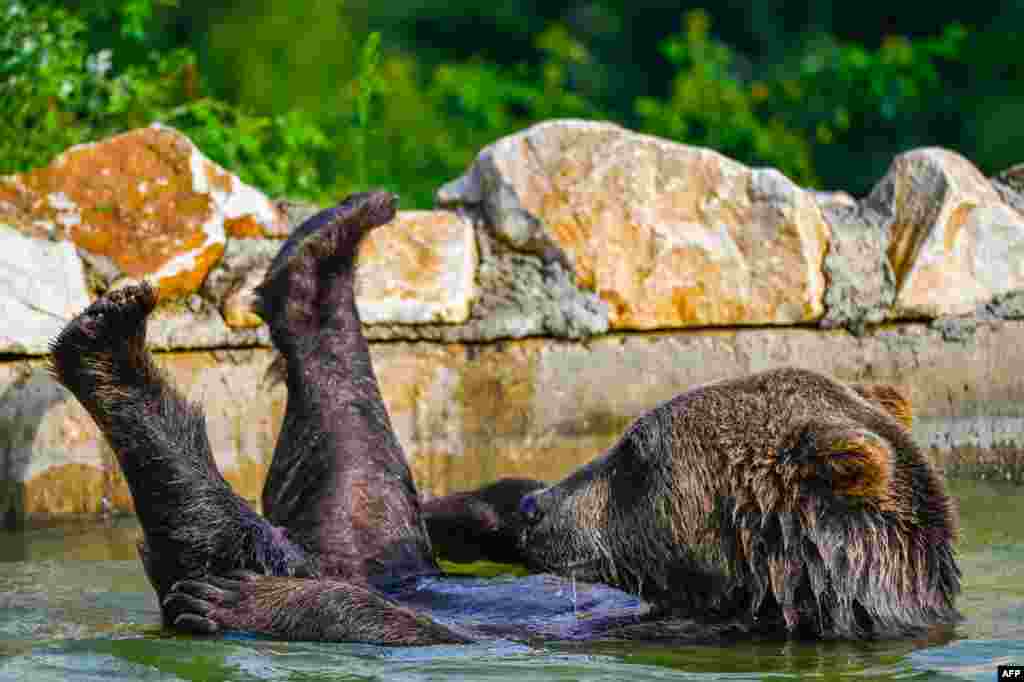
(890, 398)
(854, 461)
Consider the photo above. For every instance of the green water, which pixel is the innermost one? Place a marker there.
(74, 605)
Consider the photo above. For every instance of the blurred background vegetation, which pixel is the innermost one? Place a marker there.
(315, 98)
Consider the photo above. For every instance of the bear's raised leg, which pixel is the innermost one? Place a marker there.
(339, 481)
(192, 521)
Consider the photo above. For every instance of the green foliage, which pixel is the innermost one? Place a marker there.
(44, 79)
(834, 93)
(825, 94)
(300, 99)
(392, 122)
(493, 99)
(368, 84)
(429, 124)
(280, 154)
(58, 93)
(711, 106)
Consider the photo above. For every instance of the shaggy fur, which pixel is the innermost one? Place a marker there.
(783, 501)
(339, 491)
(339, 481)
(193, 523)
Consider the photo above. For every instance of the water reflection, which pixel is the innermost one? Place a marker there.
(107, 540)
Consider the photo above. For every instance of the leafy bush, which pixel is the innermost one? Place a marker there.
(58, 93)
(711, 106)
(834, 88)
(47, 87)
(859, 106)
(827, 93)
(361, 114)
(395, 123)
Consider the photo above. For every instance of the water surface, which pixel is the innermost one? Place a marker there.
(75, 605)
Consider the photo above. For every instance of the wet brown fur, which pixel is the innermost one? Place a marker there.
(340, 496)
(311, 610)
(193, 522)
(783, 501)
(339, 481)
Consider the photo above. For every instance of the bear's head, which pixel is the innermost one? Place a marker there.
(784, 501)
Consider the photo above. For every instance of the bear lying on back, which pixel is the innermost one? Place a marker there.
(784, 503)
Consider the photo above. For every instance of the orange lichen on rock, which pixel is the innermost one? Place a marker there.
(145, 205)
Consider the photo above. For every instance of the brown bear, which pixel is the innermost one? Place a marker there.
(486, 524)
(779, 501)
(783, 503)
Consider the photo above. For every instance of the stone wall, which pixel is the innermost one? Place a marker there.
(574, 277)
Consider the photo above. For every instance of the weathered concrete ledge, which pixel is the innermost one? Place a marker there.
(577, 274)
(468, 413)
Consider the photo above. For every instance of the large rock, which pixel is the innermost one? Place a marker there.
(231, 284)
(518, 295)
(143, 204)
(861, 283)
(667, 235)
(419, 269)
(42, 286)
(442, 276)
(197, 324)
(952, 242)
